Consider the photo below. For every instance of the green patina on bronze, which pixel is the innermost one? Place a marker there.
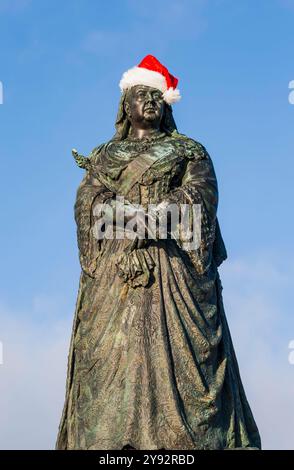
(151, 362)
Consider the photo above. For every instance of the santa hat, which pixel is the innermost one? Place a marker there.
(151, 72)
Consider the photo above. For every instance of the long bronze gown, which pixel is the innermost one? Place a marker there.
(151, 361)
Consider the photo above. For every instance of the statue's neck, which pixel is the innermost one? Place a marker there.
(137, 133)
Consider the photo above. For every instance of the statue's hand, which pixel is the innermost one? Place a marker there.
(141, 223)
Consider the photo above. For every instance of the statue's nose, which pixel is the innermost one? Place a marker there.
(149, 96)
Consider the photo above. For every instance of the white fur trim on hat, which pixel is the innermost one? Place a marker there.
(142, 76)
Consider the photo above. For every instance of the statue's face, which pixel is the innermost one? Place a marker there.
(144, 105)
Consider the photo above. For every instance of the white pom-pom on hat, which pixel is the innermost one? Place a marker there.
(172, 95)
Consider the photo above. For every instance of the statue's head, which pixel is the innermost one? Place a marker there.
(148, 90)
(144, 106)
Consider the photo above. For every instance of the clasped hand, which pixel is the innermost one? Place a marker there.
(138, 224)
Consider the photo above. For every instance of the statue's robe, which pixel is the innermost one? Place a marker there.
(151, 361)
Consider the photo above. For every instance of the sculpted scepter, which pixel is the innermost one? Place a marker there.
(151, 362)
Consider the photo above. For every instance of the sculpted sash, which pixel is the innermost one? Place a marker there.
(133, 173)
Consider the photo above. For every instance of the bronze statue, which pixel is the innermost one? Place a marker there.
(151, 362)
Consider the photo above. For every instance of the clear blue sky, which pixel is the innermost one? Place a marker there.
(60, 64)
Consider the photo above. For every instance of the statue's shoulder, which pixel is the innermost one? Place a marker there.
(108, 150)
(191, 148)
(96, 152)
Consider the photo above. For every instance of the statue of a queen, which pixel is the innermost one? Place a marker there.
(151, 362)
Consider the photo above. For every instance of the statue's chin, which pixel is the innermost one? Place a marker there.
(150, 117)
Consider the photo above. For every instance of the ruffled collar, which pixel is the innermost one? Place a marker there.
(146, 139)
(117, 154)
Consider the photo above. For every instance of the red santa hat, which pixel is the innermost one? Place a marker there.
(151, 72)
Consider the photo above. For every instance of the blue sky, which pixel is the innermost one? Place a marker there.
(60, 64)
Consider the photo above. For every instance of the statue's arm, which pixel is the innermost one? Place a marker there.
(90, 192)
(199, 183)
(199, 186)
